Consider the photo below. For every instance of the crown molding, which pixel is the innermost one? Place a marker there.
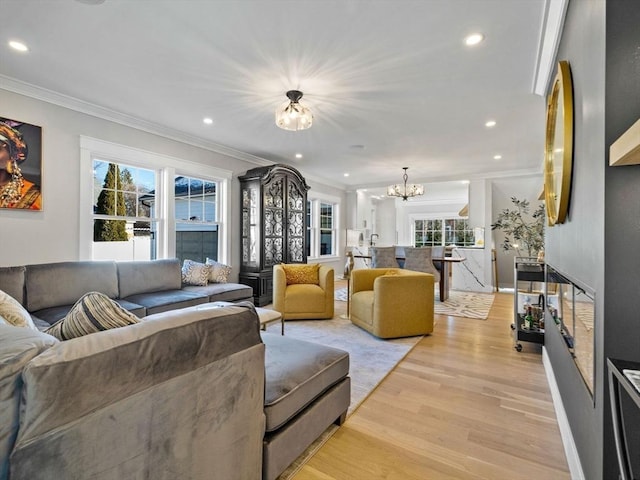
(33, 91)
(550, 33)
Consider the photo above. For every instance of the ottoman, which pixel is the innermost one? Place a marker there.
(307, 388)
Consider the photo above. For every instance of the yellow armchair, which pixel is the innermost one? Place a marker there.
(303, 301)
(392, 302)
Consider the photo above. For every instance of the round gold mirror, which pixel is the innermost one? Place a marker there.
(558, 151)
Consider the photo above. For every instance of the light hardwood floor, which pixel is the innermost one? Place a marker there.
(462, 405)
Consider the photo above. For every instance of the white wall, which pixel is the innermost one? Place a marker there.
(525, 187)
(480, 216)
(52, 235)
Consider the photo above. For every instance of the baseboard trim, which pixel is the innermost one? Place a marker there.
(570, 450)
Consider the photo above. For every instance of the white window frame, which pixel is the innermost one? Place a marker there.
(441, 217)
(166, 168)
(314, 245)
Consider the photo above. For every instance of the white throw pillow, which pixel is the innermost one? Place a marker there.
(195, 273)
(219, 271)
(13, 313)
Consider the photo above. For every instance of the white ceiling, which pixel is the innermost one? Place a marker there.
(392, 77)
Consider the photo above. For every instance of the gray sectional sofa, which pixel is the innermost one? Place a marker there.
(190, 392)
(49, 290)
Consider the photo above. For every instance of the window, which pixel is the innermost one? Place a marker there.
(449, 231)
(321, 228)
(138, 204)
(196, 218)
(123, 221)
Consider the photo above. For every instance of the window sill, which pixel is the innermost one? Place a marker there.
(323, 259)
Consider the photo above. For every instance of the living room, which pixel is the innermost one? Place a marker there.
(595, 245)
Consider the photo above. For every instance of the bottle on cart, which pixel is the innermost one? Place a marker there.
(528, 319)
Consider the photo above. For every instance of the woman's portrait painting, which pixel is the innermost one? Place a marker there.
(20, 165)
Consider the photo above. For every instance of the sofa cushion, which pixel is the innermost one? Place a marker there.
(305, 298)
(55, 284)
(93, 312)
(301, 273)
(14, 313)
(12, 282)
(157, 302)
(148, 276)
(195, 273)
(296, 373)
(227, 292)
(17, 347)
(219, 271)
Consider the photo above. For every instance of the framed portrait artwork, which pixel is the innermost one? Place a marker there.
(20, 165)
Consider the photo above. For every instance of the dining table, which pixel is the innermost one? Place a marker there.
(442, 264)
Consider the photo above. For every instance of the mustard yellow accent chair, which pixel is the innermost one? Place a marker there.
(392, 302)
(303, 301)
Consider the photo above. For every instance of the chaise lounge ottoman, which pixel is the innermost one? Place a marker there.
(307, 388)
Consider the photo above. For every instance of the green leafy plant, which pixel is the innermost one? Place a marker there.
(522, 230)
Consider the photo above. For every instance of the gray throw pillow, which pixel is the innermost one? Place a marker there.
(383, 257)
(94, 312)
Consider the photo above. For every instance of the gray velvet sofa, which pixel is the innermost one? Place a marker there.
(49, 290)
(191, 392)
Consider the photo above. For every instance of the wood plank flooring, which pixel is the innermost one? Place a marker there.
(462, 405)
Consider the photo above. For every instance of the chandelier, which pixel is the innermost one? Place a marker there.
(293, 115)
(403, 190)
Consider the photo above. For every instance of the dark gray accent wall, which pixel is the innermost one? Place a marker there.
(598, 244)
(576, 247)
(622, 202)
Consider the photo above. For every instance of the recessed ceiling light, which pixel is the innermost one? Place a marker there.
(466, 182)
(207, 120)
(19, 46)
(346, 174)
(490, 123)
(497, 157)
(298, 155)
(473, 39)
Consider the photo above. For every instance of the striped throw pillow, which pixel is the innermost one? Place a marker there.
(94, 312)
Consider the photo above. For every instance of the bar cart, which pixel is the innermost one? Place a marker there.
(528, 298)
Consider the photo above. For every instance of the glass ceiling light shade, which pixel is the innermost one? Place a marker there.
(293, 115)
(403, 190)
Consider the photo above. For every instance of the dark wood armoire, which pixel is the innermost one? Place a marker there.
(273, 225)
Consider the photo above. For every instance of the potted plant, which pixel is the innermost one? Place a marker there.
(523, 231)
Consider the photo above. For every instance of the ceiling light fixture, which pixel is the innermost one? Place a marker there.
(298, 155)
(490, 123)
(473, 39)
(497, 157)
(403, 190)
(207, 121)
(293, 115)
(19, 46)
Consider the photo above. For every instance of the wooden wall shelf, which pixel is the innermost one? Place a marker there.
(626, 149)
